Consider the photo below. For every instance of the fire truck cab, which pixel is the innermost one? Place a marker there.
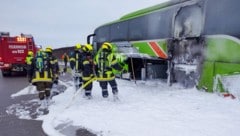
(13, 51)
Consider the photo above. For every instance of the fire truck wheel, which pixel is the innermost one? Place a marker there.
(6, 73)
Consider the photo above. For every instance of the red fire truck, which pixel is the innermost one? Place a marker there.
(13, 51)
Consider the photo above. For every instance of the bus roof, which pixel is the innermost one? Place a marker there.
(147, 10)
(150, 9)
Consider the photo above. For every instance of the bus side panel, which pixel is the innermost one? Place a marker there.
(206, 79)
(223, 48)
(152, 48)
(221, 58)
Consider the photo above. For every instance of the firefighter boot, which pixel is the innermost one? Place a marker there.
(105, 93)
(88, 94)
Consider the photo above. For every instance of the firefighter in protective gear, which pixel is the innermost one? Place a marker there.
(42, 71)
(87, 73)
(106, 61)
(54, 62)
(76, 59)
(28, 61)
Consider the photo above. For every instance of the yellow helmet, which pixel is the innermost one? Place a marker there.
(107, 45)
(87, 48)
(78, 46)
(30, 53)
(48, 49)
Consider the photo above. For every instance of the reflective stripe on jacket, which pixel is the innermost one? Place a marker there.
(44, 76)
(105, 62)
(76, 60)
(87, 73)
(28, 60)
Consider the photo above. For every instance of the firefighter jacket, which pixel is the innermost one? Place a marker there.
(88, 66)
(43, 75)
(54, 62)
(105, 62)
(76, 61)
(28, 61)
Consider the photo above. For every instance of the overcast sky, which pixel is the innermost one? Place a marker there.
(61, 23)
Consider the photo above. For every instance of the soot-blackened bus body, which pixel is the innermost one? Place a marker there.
(188, 41)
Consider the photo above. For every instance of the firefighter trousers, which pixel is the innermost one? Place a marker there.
(44, 89)
(113, 85)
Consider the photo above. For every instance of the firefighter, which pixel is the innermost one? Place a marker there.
(42, 77)
(106, 61)
(54, 63)
(65, 59)
(76, 65)
(88, 66)
(28, 61)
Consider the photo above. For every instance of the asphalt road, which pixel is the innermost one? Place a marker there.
(10, 125)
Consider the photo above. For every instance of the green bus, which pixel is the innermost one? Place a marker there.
(194, 42)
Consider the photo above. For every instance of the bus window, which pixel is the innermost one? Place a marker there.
(159, 25)
(103, 34)
(188, 22)
(137, 28)
(119, 31)
(222, 20)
